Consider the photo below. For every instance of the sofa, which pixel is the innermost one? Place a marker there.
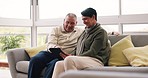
(102, 74)
(18, 60)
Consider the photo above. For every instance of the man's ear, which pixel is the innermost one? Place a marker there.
(93, 16)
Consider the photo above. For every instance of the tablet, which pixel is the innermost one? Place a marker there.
(56, 51)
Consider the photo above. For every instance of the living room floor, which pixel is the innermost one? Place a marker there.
(4, 72)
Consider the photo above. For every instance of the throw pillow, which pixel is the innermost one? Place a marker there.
(34, 50)
(117, 58)
(137, 56)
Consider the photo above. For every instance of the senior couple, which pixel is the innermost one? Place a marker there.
(84, 48)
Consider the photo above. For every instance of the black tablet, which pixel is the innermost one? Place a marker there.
(56, 51)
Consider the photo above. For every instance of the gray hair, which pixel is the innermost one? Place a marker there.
(71, 15)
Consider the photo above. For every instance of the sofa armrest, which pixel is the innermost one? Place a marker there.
(120, 69)
(14, 56)
(101, 74)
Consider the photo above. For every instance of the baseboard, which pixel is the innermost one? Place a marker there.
(4, 64)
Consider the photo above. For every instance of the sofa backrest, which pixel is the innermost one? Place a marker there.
(138, 40)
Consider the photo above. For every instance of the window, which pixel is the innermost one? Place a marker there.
(25, 31)
(59, 8)
(42, 34)
(15, 9)
(137, 28)
(134, 6)
(6, 31)
(110, 28)
(15, 20)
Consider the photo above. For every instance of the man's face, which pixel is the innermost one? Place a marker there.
(69, 23)
(88, 21)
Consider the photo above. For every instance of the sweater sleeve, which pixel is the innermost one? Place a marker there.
(53, 38)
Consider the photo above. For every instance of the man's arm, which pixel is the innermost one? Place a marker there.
(53, 39)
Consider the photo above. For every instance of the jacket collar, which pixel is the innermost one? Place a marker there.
(87, 30)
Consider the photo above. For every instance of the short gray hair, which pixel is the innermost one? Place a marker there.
(72, 15)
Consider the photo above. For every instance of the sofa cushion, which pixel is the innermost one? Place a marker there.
(137, 56)
(117, 58)
(34, 50)
(22, 66)
(120, 69)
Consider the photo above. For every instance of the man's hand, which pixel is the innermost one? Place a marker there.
(64, 55)
(114, 33)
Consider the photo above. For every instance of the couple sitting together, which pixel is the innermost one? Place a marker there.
(83, 48)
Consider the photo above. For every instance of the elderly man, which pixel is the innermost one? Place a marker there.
(64, 37)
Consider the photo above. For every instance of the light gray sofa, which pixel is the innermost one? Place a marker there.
(18, 60)
(103, 74)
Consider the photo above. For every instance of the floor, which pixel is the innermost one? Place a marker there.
(4, 72)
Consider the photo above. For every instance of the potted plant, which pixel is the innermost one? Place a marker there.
(10, 41)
